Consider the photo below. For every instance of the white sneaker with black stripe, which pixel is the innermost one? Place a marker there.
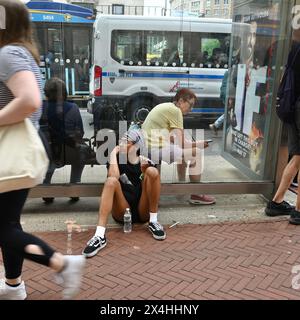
(157, 230)
(94, 245)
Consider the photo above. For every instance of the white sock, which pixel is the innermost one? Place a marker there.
(100, 232)
(153, 217)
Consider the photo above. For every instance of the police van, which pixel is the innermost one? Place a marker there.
(141, 61)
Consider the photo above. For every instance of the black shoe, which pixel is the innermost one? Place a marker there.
(48, 200)
(274, 209)
(157, 231)
(74, 199)
(295, 217)
(94, 245)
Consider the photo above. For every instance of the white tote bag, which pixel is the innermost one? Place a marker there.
(23, 159)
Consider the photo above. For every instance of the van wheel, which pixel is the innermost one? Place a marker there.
(140, 109)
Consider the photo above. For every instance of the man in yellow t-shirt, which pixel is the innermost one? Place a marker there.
(164, 134)
(160, 122)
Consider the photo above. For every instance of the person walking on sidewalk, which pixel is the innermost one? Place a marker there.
(278, 206)
(20, 97)
(165, 140)
(133, 183)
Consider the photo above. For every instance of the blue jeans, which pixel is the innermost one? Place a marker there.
(218, 123)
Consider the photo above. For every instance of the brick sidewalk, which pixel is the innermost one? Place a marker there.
(220, 261)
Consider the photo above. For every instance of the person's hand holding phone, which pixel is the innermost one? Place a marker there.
(207, 142)
(203, 143)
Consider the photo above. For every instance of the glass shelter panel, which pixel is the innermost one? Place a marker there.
(63, 34)
(127, 65)
(256, 43)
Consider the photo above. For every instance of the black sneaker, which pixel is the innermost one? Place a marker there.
(93, 246)
(48, 200)
(157, 231)
(274, 209)
(294, 184)
(295, 217)
(74, 199)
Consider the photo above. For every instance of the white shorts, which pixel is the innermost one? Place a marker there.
(169, 154)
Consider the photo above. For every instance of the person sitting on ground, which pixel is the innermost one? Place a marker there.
(140, 193)
(166, 141)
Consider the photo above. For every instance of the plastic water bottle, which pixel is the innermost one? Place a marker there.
(127, 221)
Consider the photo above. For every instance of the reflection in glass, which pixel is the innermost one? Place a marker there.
(254, 44)
(62, 126)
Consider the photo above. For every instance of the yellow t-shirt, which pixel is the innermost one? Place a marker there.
(159, 122)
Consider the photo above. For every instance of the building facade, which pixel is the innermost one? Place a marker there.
(131, 7)
(193, 7)
(201, 8)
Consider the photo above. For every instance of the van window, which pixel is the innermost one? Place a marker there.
(164, 48)
(127, 47)
(209, 50)
(170, 48)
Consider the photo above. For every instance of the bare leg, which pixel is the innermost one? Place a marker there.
(194, 157)
(181, 171)
(194, 178)
(112, 200)
(56, 262)
(287, 177)
(150, 193)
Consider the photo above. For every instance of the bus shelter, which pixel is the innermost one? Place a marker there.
(247, 155)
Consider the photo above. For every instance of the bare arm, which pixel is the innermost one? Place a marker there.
(24, 87)
(113, 170)
(145, 163)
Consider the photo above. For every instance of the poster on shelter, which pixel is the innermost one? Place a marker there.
(249, 87)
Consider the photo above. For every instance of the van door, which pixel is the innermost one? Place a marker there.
(208, 61)
(165, 58)
(147, 66)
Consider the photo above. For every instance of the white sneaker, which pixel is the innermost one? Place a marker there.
(213, 128)
(70, 277)
(12, 293)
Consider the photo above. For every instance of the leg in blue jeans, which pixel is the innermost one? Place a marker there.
(218, 123)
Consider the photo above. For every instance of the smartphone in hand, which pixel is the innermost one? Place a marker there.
(208, 141)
